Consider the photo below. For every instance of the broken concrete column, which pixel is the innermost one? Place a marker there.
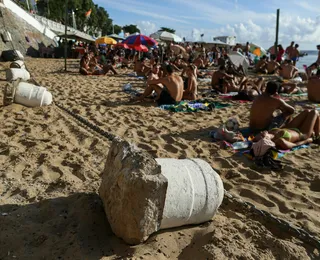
(142, 195)
(133, 192)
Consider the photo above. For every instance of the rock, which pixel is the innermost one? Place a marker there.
(133, 192)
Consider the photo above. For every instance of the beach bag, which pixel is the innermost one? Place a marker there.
(12, 55)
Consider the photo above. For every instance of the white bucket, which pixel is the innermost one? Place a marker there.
(31, 95)
(15, 74)
(195, 192)
(18, 64)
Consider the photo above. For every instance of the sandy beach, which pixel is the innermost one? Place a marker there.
(51, 165)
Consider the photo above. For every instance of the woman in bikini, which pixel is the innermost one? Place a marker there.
(303, 129)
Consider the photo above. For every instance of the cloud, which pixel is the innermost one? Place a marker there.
(147, 27)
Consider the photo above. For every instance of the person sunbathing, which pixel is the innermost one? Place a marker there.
(170, 93)
(190, 83)
(303, 129)
(263, 107)
(250, 89)
(223, 82)
(288, 71)
(261, 66)
(313, 87)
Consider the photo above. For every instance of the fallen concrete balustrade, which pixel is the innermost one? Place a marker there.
(142, 195)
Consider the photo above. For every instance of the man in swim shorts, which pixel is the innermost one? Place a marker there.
(295, 54)
(263, 107)
(170, 93)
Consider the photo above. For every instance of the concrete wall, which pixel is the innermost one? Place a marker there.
(28, 35)
(29, 19)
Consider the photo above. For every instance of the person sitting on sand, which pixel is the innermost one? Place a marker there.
(263, 107)
(141, 68)
(87, 68)
(288, 70)
(272, 66)
(313, 87)
(190, 83)
(223, 82)
(170, 93)
(315, 65)
(261, 66)
(199, 62)
(303, 129)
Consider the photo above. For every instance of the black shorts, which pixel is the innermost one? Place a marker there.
(165, 99)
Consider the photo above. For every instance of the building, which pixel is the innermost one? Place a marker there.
(231, 40)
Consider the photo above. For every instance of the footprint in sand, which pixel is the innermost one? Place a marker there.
(315, 185)
(256, 197)
(170, 148)
(252, 175)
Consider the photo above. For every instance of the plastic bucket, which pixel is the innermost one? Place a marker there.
(195, 192)
(15, 74)
(31, 95)
(18, 64)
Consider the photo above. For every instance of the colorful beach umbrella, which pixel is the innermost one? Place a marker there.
(139, 48)
(140, 39)
(105, 40)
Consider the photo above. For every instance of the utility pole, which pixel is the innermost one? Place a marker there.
(277, 32)
(28, 5)
(65, 37)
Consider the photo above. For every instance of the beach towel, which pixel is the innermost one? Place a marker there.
(194, 106)
(294, 95)
(278, 154)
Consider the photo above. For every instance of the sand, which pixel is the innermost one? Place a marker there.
(51, 165)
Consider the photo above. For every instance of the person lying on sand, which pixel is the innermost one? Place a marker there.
(190, 83)
(170, 93)
(263, 107)
(272, 66)
(223, 82)
(303, 129)
(250, 89)
(261, 66)
(313, 87)
(288, 71)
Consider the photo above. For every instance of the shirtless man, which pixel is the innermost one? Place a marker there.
(289, 50)
(87, 68)
(190, 83)
(295, 54)
(140, 68)
(223, 82)
(263, 107)
(288, 71)
(261, 66)
(170, 93)
(313, 87)
(273, 66)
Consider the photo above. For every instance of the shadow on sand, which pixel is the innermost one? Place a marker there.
(73, 227)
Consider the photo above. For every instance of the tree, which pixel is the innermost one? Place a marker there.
(131, 28)
(166, 29)
(117, 29)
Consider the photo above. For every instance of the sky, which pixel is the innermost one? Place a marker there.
(248, 20)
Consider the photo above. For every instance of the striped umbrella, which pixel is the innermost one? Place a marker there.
(139, 39)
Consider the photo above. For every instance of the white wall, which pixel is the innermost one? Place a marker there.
(29, 19)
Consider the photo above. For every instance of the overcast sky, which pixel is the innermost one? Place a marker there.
(248, 20)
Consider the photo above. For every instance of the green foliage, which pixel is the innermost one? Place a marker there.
(99, 20)
(131, 28)
(166, 29)
(117, 29)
